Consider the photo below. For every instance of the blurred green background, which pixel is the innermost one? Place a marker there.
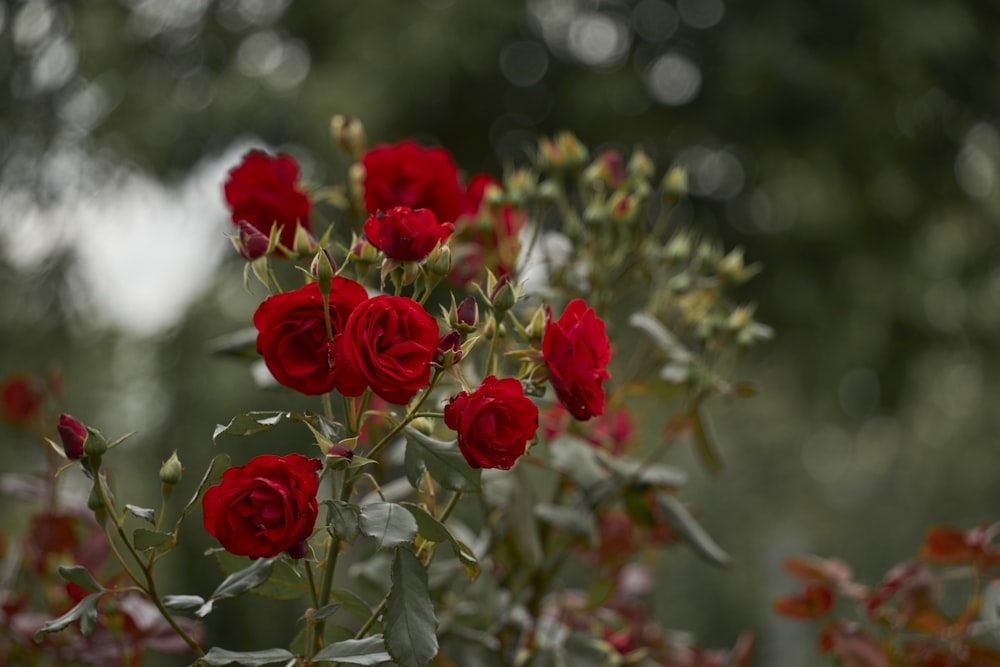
(851, 147)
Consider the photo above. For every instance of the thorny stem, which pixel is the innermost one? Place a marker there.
(410, 414)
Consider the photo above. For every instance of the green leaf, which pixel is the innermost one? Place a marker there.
(582, 650)
(85, 611)
(214, 473)
(353, 603)
(143, 513)
(644, 472)
(80, 576)
(435, 531)
(325, 611)
(342, 517)
(367, 651)
(568, 519)
(148, 539)
(409, 621)
(582, 463)
(220, 656)
(388, 523)
(441, 459)
(684, 524)
(238, 583)
(284, 583)
(707, 449)
(183, 602)
(250, 423)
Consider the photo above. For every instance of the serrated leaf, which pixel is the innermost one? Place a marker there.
(249, 423)
(183, 602)
(367, 651)
(284, 583)
(220, 656)
(143, 513)
(684, 524)
(85, 611)
(213, 474)
(409, 621)
(343, 517)
(388, 523)
(238, 583)
(441, 459)
(148, 539)
(80, 576)
(435, 531)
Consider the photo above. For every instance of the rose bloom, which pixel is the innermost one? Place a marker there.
(21, 398)
(407, 174)
(390, 342)
(612, 432)
(487, 238)
(577, 351)
(494, 423)
(293, 339)
(262, 190)
(406, 234)
(265, 507)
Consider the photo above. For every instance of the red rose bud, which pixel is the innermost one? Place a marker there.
(304, 244)
(549, 155)
(466, 317)
(449, 349)
(323, 269)
(494, 423)
(640, 166)
(623, 207)
(406, 234)
(341, 451)
(250, 243)
(573, 151)
(364, 252)
(502, 295)
(73, 435)
(298, 550)
(608, 168)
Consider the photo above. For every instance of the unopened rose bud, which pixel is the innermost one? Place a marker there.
(548, 192)
(521, 186)
(449, 349)
(250, 242)
(439, 261)
(423, 425)
(536, 327)
(622, 207)
(466, 317)
(502, 296)
(349, 133)
(322, 269)
(94, 499)
(678, 248)
(299, 550)
(171, 470)
(340, 450)
(305, 244)
(549, 155)
(574, 153)
(675, 183)
(608, 169)
(356, 183)
(640, 166)
(364, 252)
(73, 435)
(95, 445)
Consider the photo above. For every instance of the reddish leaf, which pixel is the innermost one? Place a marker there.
(815, 601)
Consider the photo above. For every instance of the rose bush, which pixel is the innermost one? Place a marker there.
(494, 423)
(265, 507)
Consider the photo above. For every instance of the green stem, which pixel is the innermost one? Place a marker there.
(411, 413)
(491, 355)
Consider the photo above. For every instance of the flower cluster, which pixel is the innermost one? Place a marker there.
(442, 372)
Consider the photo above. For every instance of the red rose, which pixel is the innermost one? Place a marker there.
(73, 435)
(494, 423)
(406, 234)
(406, 174)
(576, 351)
(265, 507)
(262, 191)
(487, 235)
(390, 341)
(293, 338)
(22, 396)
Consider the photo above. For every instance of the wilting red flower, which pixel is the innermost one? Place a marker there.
(494, 423)
(73, 435)
(262, 190)
(406, 234)
(390, 342)
(577, 351)
(265, 507)
(815, 601)
(21, 398)
(406, 174)
(292, 336)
